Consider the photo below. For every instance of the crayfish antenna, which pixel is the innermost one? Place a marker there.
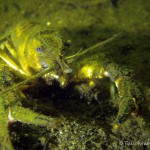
(81, 53)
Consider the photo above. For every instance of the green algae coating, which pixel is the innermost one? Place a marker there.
(4, 134)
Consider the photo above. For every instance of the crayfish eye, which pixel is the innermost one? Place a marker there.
(39, 49)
